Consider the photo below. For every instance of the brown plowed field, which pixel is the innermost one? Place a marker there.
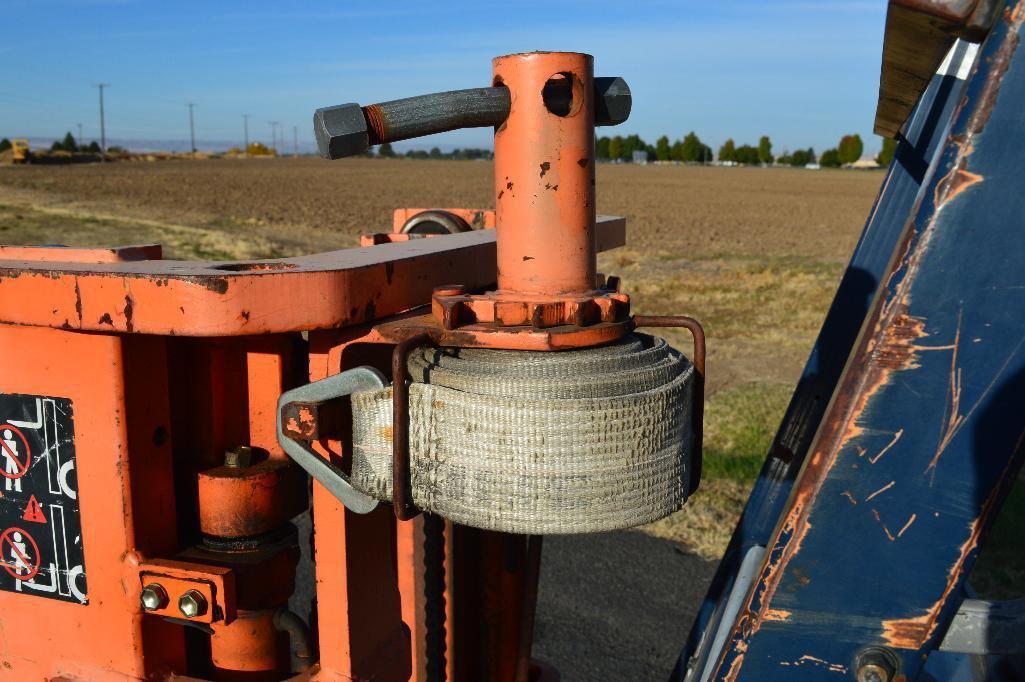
(700, 211)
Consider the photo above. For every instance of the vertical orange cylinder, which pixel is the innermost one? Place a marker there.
(544, 174)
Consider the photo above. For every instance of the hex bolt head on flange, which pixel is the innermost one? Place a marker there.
(192, 604)
(153, 597)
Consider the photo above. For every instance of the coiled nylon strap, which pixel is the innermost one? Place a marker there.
(538, 443)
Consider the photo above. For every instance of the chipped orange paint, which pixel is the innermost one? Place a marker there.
(780, 615)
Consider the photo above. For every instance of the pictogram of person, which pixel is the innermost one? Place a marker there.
(18, 554)
(13, 466)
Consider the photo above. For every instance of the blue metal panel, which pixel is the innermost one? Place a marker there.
(925, 431)
(926, 128)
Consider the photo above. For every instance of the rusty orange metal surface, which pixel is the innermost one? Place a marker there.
(249, 500)
(544, 177)
(110, 638)
(251, 648)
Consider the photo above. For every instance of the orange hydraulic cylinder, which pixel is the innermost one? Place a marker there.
(544, 174)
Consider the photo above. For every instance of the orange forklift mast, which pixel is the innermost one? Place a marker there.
(158, 416)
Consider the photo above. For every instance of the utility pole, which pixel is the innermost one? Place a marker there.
(295, 141)
(80, 140)
(274, 136)
(103, 125)
(245, 123)
(192, 128)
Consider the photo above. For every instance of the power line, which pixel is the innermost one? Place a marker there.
(192, 127)
(103, 125)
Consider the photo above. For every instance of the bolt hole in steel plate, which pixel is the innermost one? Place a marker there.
(563, 94)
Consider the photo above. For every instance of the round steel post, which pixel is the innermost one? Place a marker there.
(544, 174)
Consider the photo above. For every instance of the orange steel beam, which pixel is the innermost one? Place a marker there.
(244, 298)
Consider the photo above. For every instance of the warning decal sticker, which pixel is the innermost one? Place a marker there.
(40, 529)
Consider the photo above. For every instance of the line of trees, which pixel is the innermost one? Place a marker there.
(691, 149)
(69, 144)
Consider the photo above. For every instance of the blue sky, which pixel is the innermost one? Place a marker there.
(803, 72)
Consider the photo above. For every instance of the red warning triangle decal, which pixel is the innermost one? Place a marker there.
(34, 512)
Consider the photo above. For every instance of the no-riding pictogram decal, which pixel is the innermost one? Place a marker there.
(41, 549)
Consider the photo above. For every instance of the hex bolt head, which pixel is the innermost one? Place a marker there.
(876, 664)
(613, 101)
(192, 604)
(238, 457)
(153, 597)
(341, 131)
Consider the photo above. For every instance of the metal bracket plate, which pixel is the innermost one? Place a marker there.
(322, 470)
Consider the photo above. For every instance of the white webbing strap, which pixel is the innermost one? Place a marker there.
(538, 443)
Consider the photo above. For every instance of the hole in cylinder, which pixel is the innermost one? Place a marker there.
(562, 94)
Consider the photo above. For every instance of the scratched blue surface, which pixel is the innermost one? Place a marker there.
(938, 438)
(925, 131)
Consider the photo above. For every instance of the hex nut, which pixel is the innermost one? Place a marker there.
(192, 604)
(238, 457)
(341, 131)
(612, 102)
(153, 597)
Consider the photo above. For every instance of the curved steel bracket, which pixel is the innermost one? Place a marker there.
(322, 470)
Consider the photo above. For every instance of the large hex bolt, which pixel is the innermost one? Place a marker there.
(612, 101)
(349, 129)
(341, 131)
(192, 604)
(153, 597)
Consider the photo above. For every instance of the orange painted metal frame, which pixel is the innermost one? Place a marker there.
(168, 364)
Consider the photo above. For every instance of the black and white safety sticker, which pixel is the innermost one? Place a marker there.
(40, 528)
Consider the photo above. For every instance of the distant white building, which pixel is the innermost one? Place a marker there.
(865, 163)
(640, 156)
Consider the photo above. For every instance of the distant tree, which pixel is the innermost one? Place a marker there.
(850, 148)
(662, 149)
(728, 151)
(830, 158)
(676, 151)
(386, 151)
(691, 148)
(802, 157)
(884, 159)
(69, 143)
(747, 154)
(601, 148)
(615, 147)
(435, 153)
(631, 144)
(765, 150)
(94, 147)
(5, 144)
